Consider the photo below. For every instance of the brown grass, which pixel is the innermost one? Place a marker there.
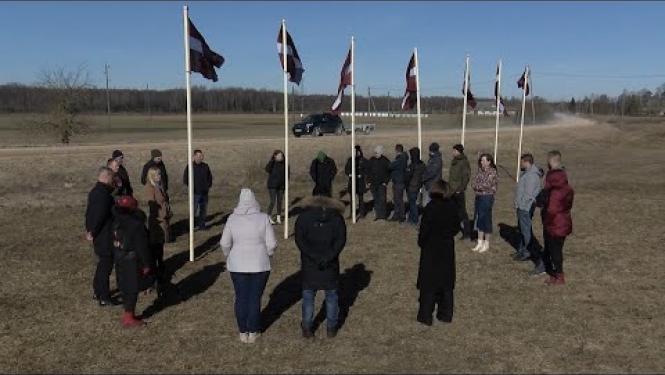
(607, 319)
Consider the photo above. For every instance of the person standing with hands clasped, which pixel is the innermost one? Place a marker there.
(361, 171)
(202, 185)
(378, 173)
(276, 184)
(398, 176)
(414, 176)
(323, 171)
(485, 186)
(433, 171)
(460, 174)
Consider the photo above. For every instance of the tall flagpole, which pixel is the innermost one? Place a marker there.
(353, 130)
(190, 175)
(533, 107)
(286, 133)
(420, 132)
(498, 114)
(519, 147)
(466, 90)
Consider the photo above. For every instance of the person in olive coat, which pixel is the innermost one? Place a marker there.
(361, 183)
(436, 239)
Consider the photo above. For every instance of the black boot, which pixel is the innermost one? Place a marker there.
(332, 332)
(307, 332)
(466, 232)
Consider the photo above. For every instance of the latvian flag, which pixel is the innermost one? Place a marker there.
(344, 80)
(522, 82)
(293, 63)
(502, 107)
(470, 100)
(410, 95)
(201, 58)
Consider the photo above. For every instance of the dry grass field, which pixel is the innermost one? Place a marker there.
(607, 319)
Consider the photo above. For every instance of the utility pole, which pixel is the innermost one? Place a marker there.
(147, 90)
(369, 100)
(108, 98)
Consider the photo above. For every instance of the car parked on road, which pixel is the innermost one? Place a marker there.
(319, 124)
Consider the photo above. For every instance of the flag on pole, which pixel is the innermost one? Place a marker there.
(522, 82)
(410, 94)
(344, 80)
(293, 63)
(502, 108)
(201, 58)
(470, 99)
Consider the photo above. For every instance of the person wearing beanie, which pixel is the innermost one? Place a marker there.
(460, 174)
(133, 259)
(323, 171)
(433, 171)
(155, 161)
(126, 187)
(248, 243)
(202, 184)
(361, 188)
(378, 176)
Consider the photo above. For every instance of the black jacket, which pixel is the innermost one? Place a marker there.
(126, 188)
(434, 170)
(162, 168)
(320, 234)
(361, 174)
(99, 218)
(398, 168)
(414, 172)
(323, 173)
(378, 170)
(130, 231)
(202, 178)
(275, 171)
(436, 239)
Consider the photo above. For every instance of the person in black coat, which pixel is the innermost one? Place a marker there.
(155, 161)
(436, 239)
(378, 176)
(126, 187)
(414, 176)
(320, 234)
(202, 185)
(98, 221)
(398, 178)
(276, 184)
(133, 258)
(323, 171)
(361, 170)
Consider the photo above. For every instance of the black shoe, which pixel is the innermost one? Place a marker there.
(521, 258)
(307, 333)
(94, 297)
(105, 302)
(393, 219)
(427, 322)
(331, 333)
(444, 320)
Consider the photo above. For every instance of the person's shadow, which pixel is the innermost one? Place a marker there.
(181, 227)
(286, 294)
(511, 234)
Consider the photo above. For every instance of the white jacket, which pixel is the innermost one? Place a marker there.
(248, 240)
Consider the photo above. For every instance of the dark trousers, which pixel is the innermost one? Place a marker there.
(398, 201)
(322, 190)
(201, 205)
(379, 196)
(553, 255)
(101, 285)
(460, 199)
(276, 197)
(249, 289)
(360, 205)
(443, 300)
(413, 207)
(127, 275)
(158, 254)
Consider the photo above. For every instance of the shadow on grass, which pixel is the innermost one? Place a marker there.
(511, 234)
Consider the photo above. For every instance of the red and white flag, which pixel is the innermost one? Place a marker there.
(201, 58)
(293, 63)
(411, 92)
(523, 81)
(502, 107)
(344, 80)
(470, 99)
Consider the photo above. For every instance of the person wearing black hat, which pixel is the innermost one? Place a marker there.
(460, 174)
(126, 187)
(155, 161)
(361, 186)
(433, 171)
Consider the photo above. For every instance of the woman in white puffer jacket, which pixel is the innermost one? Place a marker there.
(248, 241)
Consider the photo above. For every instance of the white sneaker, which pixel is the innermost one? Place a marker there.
(251, 338)
(485, 247)
(479, 245)
(279, 219)
(272, 221)
(244, 337)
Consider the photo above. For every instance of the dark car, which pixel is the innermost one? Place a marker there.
(318, 125)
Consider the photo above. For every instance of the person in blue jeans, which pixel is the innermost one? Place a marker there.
(527, 190)
(320, 233)
(414, 182)
(202, 185)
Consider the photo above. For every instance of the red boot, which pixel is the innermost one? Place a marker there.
(130, 321)
(560, 280)
(551, 280)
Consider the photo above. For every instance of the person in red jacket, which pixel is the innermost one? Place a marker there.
(558, 220)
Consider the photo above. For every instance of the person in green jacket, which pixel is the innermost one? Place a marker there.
(460, 173)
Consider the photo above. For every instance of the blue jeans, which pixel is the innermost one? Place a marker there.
(525, 221)
(201, 205)
(332, 308)
(249, 289)
(426, 197)
(413, 207)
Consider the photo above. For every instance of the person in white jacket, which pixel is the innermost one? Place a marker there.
(248, 241)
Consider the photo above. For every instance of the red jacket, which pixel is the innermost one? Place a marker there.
(558, 220)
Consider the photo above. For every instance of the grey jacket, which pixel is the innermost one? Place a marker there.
(528, 188)
(434, 169)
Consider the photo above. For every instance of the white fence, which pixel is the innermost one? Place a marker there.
(385, 114)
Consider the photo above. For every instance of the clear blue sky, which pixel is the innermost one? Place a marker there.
(143, 43)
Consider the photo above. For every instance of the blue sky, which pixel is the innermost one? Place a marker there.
(602, 42)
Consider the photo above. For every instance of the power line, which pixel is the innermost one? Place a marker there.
(584, 75)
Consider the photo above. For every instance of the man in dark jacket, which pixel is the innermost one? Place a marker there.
(460, 174)
(133, 258)
(414, 176)
(397, 176)
(202, 185)
(323, 171)
(320, 234)
(433, 172)
(378, 176)
(126, 187)
(361, 170)
(98, 222)
(155, 161)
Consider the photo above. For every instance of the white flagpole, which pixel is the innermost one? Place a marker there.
(286, 133)
(353, 130)
(420, 132)
(533, 106)
(498, 114)
(190, 169)
(519, 147)
(466, 90)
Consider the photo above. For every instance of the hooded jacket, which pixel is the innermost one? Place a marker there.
(323, 172)
(434, 170)
(415, 171)
(248, 240)
(398, 168)
(378, 170)
(275, 170)
(460, 173)
(558, 218)
(130, 231)
(361, 172)
(528, 188)
(320, 234)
